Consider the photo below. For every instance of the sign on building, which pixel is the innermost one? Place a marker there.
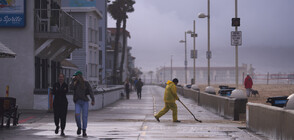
(12, 13)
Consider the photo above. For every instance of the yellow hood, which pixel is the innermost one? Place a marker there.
(170, 93)
(168, 82)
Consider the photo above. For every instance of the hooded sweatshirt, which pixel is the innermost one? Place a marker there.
(170, 93)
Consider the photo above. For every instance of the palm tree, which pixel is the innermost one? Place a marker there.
(118, 10)
(115, 11)
(127, 8)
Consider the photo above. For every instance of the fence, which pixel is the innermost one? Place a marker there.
(273, 78)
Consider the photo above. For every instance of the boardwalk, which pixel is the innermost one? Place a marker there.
(133, 120)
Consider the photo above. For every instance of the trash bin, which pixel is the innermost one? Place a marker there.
(279, 101)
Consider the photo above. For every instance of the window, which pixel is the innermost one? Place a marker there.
(95, 57)
(41, 73)
(90, 21)
(100, 57)
(95, 23)
(69, 57)
(89, 35)
(93, 35)
(100, 33)
(90, 57)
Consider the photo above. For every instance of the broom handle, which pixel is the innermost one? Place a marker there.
(189, 111)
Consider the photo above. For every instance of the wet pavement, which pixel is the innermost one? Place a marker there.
(133, 120)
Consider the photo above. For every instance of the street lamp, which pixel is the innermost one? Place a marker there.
(186, 62)
(208, 53)
(194, 54)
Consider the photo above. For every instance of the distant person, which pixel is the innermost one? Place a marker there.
(139, 86)
(127, 89)
(170, 97)
(60, 104)
(81, 89)
(135, 82)
(248, 84)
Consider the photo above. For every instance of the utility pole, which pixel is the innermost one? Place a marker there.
(194, 51)
(236, 29)
(186, 62)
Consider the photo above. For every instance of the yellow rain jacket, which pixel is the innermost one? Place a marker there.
(170, 93)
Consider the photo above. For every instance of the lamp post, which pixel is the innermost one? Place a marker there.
(194, 54)
(208, 53)
(186, 62)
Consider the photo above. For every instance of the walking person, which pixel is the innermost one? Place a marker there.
(81, 89)
(60, 104)
(170, 97)
(248, 83)
(127, 89)
(139, 85)
(135, 82)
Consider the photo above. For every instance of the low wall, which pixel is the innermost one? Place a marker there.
(103, 98)
(230, 108)
(274, 122)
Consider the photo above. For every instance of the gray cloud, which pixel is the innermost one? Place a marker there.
(157, 26)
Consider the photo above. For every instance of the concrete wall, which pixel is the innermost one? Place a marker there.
(19, 72)
(274, 122)
(102, 99)
(230, 108)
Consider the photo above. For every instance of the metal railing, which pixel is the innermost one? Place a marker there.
(58, 21)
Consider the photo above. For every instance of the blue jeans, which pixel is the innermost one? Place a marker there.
(83, 106)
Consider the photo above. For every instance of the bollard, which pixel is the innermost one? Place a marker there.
(50, 100)
(7, 90)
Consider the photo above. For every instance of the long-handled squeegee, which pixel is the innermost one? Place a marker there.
(190, 111)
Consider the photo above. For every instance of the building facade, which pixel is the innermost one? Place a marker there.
(87, 57)
(92, 59)
(48, 36)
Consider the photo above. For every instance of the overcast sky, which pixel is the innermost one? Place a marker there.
(157, 26)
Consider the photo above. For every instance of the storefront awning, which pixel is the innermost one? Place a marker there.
(5, 52)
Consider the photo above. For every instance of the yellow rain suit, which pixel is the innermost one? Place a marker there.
(170, 97)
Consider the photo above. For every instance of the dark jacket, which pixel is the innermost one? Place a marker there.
(127, 87)
(81, 93)
(139, 85)
(59, 92)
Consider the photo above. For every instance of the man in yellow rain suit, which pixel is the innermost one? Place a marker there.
(170, 97)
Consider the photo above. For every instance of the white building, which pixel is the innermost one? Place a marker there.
(101, 7)
(45, 37)
(87, 57)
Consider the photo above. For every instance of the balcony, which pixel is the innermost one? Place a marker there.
(57, 24)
